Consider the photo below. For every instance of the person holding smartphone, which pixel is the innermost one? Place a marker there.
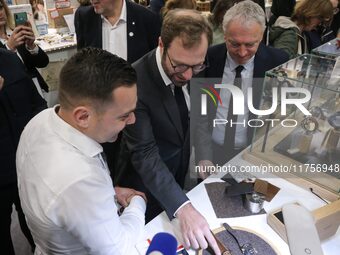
(21, 41)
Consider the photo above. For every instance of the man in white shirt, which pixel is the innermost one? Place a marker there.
(64, 183)
(121, 27)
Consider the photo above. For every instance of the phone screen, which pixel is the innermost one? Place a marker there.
(20, 18)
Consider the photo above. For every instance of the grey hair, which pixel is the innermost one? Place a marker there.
(245, 12)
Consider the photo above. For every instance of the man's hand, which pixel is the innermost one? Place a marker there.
(205, 167)
(124, 195)
(195, 229)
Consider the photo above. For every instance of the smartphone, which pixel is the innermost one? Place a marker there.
(20, 18)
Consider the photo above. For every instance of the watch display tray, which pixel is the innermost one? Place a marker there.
(243, 236)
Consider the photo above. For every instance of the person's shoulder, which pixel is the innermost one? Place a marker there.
(85, 10)
(147, 58)
(273, 54)
(9, 55)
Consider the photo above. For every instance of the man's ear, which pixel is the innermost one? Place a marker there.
(160, 43)
(82, 116)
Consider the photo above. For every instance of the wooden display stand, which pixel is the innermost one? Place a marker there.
(327, 221)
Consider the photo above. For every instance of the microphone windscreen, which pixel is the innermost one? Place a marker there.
(163, 243)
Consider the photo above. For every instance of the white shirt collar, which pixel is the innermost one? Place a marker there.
(122, 17)
(165, 78)
(83, 143)
(233, 64)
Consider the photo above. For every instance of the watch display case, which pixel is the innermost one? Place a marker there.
(301, 135)
(329, 49)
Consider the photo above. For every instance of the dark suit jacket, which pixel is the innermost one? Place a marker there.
(19, 102)
(265, 59)
(141, 22)
(32, 62)
(155, 144)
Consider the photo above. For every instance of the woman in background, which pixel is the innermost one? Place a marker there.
(287, 33)
(20, 40)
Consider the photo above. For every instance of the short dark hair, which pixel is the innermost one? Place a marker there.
(92, 75)
(189, 25)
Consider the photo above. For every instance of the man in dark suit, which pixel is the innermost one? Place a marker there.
(242, 60)
(121, 27)
(19, 102)
(155, 150)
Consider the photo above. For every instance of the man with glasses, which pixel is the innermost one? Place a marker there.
(240, 61)
(155, 150)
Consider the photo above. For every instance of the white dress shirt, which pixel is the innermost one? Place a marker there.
(67, 194)
(229, 74)
(115, 37)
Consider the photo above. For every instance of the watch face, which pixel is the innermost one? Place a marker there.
(310, 124)
(248, 249)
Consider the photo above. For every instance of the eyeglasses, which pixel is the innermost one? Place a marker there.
(182, 68)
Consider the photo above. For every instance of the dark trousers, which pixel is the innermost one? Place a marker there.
(8, 196)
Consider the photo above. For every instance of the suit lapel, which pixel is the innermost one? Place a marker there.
(166, 95)
(260, 67)
(97, 28)
(131, 30)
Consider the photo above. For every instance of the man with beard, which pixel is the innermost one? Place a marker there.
(155, 150)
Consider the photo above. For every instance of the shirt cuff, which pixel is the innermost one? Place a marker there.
(185, 203)
(35, 51)
(138, 202)
(8, 48)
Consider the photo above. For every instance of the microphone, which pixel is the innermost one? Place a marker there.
(162, 244)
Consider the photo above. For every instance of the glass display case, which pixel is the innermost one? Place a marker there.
(300, 132)
(329, 49)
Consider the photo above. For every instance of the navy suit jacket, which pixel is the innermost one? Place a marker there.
(32, 62)
(265, 59)
(155, 151)
(143, 29)
(19, 102)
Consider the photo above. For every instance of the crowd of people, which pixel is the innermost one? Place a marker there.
(87, 174)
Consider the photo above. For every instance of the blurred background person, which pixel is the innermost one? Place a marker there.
(156, 5)
(173, 4)
(21, 41)
(287, 33)
(281, 8)
(326, 31)
(19, 102)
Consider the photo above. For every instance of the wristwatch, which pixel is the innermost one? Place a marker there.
(310, 125)
(224, 250)
(245, 248)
